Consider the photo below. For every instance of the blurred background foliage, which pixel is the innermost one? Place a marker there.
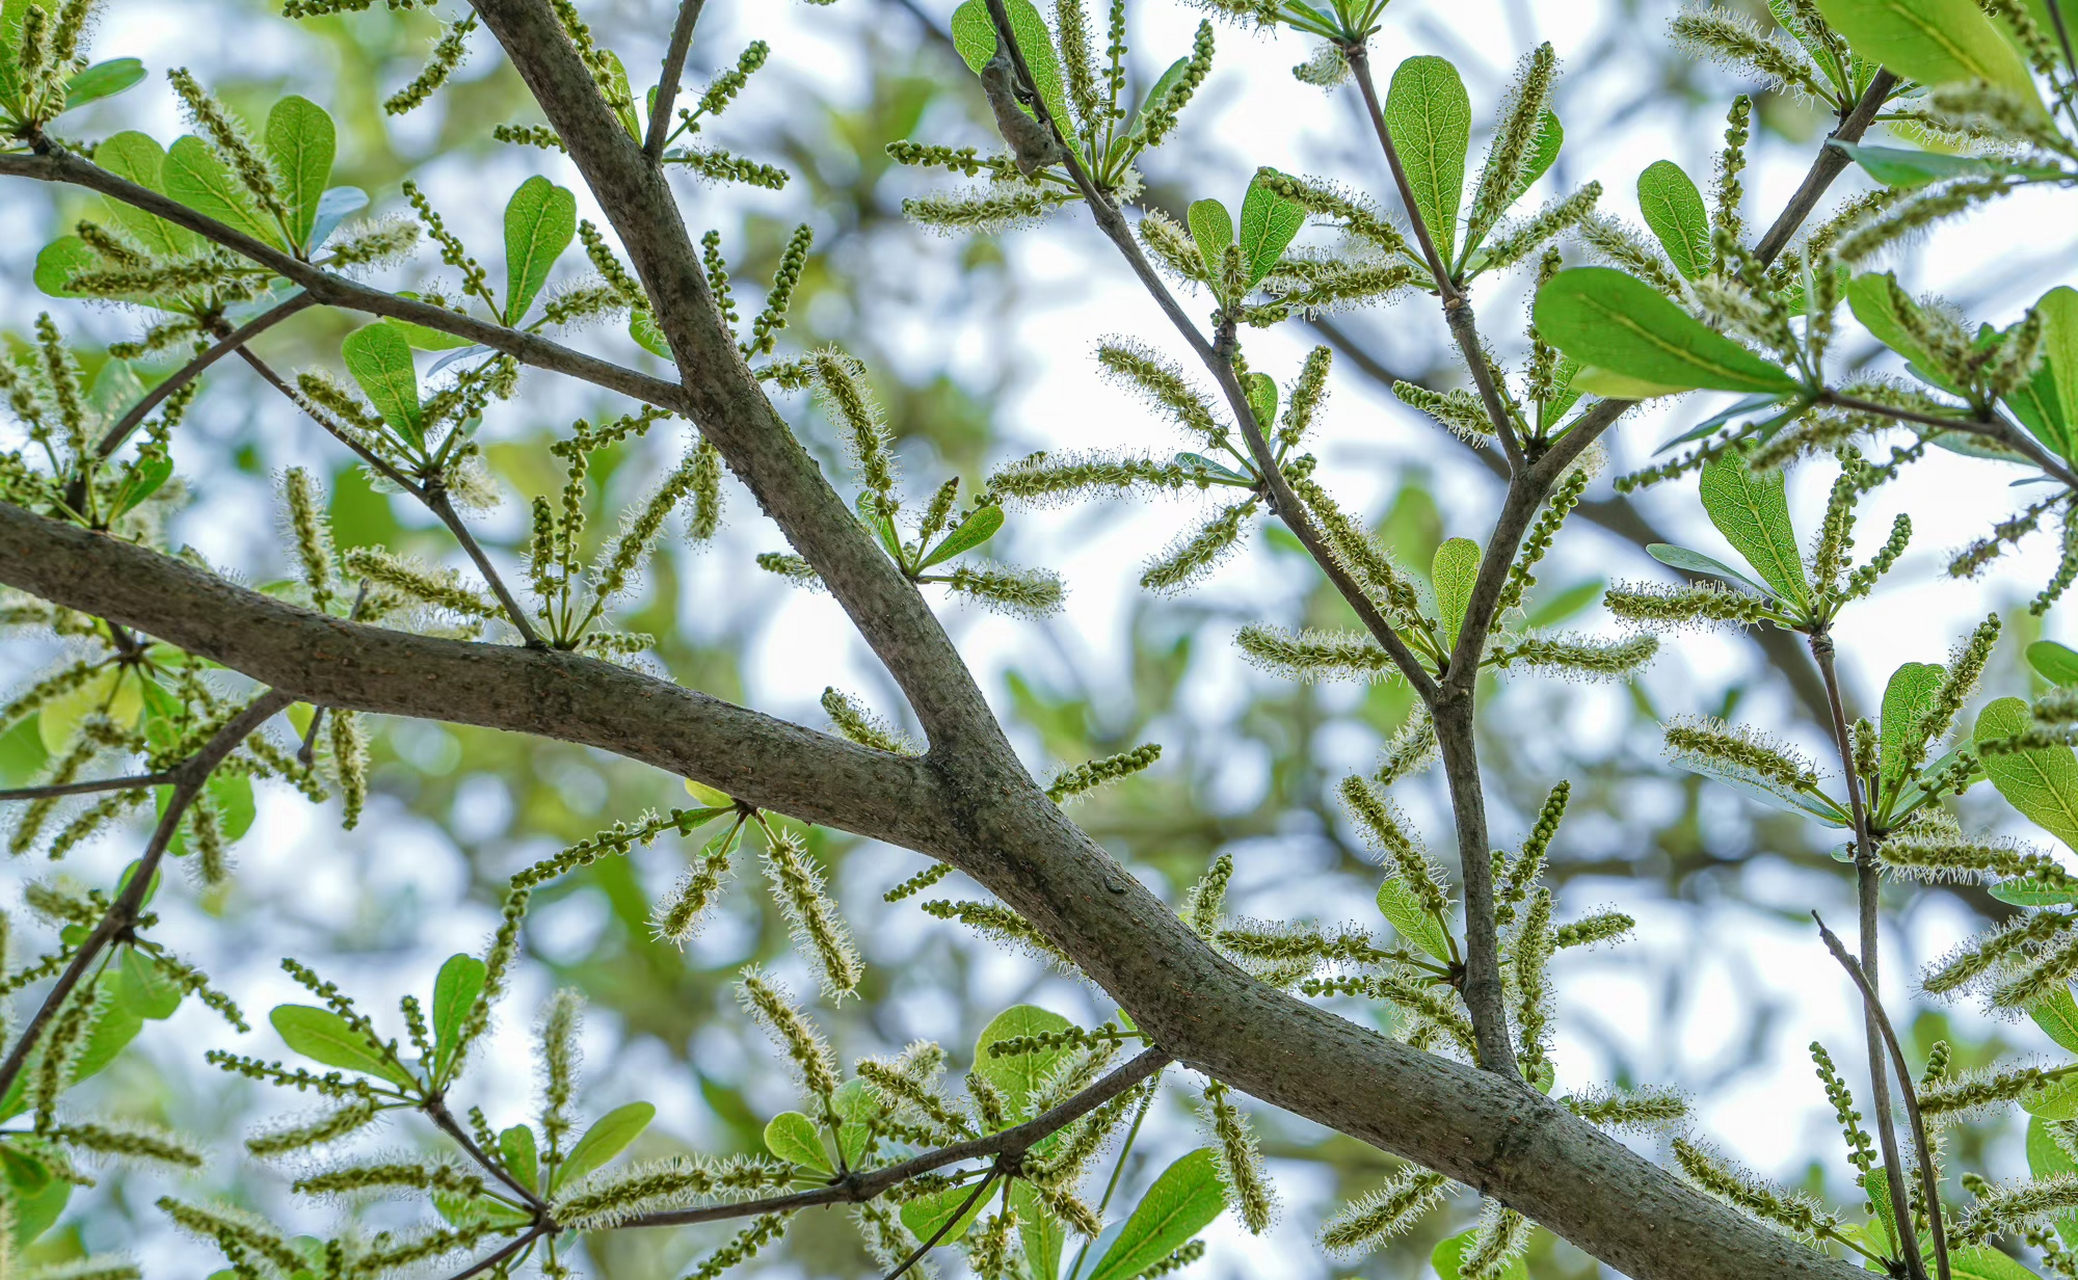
(1250, 773)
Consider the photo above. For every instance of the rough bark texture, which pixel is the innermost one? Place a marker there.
(969, 801)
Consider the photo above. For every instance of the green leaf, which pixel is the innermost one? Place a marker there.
(607, 1138)
(1982, 1262)
(795, 1139)
(138, 158)
(1933, 42)
(144, 988)
(540, 222)
(2032, 893)
(379, 359)
(2044, 1157)
(1404, 912)
(1752, 512)
(1697, 562)
(975, 35)
(2055, 663)
(1544, 152)
(2041, 782)
(1608, 320)
(1017, 1075)
(112, 1032)
(2059, 311)
(1183, 1200)
(979, 526)
(642, 327)
(2057, 1100)
(516, 1148)
(1155, 92)
(1905, 702)
(326, 1038)
(1771, 793)
(1553, 609)
(37, 1198)
(1449, 1253)
(1674, 210)
(195, 177)
(1874, 304)
(425, 338)
(1269, 223)
(1882, 1216)
(2058, 1018)
(926, 1214)
(1040, 1230)
(102, 80)
(1904, 167)
(147, 476)
(301, 141)
(1429, 116)
(1262, 399)
(333, 208)
(455, 990)
(854, 1105)
(1453, 572)
(1213, 228)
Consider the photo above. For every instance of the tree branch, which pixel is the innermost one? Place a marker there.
(1825, 167)
(667, 82)
(337, 291)
(253, 328)
(1009, 1145)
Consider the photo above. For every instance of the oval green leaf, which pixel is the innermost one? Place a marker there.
(794, 1138)
(1606, 319)
(301, 142)
(1017, 1075)
(1906, 700)
(1752, 512)
(603, 1141)
(195, 177)
(1429, 116)
(1696, 562)
(2058, 664)
(979, 526)
(145, 988)
(1213, 229)
(1269, 224)
(1182, 1202)
(379, 359)
(102, 80)
(1453, 572)
(517, 1150)
(2041, 782)
(1404, 912)
(329, 1040)
(540, 222)
(455, 990)
(1674, 210)
(925, 1215)
(1933, 42)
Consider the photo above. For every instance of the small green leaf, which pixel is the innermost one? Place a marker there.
(926, 1214)
(857, 1108)
(603, 1141)
(102, 80)
(2055, 663)
(328, 1039)
(2045, 1158)
(1404, 912)
(1017, 1075)
(1882, 1215)
(455, 990)
(1752, 512)
(1697, 562)
(1155, 93)
(1608, 320)
(37, 1197)
(1449, 1253)
(1933, 42)
(147, 476)
(516, 1148)
(1544, 152)
(138, 158)
(1981, 1262)
(424, 338)
(2041, 782)
(795, 1139)
(1429, 117)
(642, 327)
(145, 988)
(1262, 399)
(1674, 210)
(1905, 702)
(1183, 1200)
(2058, 1018)
(1213, 228)
(379, 359)
(2032, 893)
(334, 207)
(979, 526)
(1903, 167)
(1040, 1230)
(301, 141)
(1269, 223)
(1453, 572)
(540, 222)
(196, 178)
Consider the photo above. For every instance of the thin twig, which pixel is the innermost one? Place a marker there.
(1457, 311)
(1009, 1145)
(667, 84)
(945, 1228)
(438, 503)
(1824, 168)
(188, 779)
(57, 789)
(1998, 431)
(436, 1110)
(1866, 884)
(253, 328)
(512, 1250)
(1929, 1187)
